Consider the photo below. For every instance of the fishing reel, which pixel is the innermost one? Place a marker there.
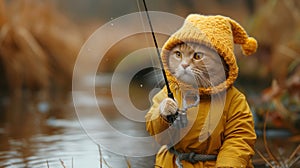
(179, 119)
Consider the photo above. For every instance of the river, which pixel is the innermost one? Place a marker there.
(39, 132)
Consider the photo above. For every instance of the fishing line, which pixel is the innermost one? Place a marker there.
(156, 73)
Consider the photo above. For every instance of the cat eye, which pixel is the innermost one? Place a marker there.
(178, 54)
(198, 55)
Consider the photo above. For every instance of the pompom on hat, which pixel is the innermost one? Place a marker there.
(218, 32)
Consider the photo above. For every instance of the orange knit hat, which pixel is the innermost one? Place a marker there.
(218, 32)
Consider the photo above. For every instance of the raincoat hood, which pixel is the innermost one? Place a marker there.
(217, 32)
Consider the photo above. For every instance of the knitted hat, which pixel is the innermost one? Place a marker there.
(217, 32)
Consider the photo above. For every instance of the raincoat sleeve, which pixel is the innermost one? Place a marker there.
(239, 135)
(155, 123)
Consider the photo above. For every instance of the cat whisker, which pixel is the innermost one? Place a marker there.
(205, 77)
(203, 81)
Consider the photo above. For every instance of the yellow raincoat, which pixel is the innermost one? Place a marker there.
(232, 140)
(222, 127)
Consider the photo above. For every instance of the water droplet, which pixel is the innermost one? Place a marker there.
(43, 107)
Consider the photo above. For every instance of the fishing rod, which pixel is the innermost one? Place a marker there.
(179, 120)
(170, 94)
(170, 118)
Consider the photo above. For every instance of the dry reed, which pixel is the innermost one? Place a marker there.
(102, 160)
(279, 161)
(47, 164)
(127, 162)
(38, 46)
(62, 163)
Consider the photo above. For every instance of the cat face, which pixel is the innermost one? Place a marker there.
(197, 65)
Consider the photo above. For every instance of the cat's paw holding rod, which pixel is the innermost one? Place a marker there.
(168, 107)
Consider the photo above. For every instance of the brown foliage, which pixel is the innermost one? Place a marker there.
(38, 46)
(276, 26)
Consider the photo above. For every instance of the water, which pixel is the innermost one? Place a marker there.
(39, 133)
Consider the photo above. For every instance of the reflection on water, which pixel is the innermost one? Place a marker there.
(35, 132)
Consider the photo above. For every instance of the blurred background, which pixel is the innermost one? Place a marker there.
(39, 44)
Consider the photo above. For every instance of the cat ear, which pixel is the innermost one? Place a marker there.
(240, 36)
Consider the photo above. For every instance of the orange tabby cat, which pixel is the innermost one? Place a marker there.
(197, 65)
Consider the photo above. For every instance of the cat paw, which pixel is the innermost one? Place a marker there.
(168, 107)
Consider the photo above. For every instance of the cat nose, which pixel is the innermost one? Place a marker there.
(184, 66)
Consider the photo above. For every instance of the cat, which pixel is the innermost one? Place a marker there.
(197, 65)
(219, 123)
